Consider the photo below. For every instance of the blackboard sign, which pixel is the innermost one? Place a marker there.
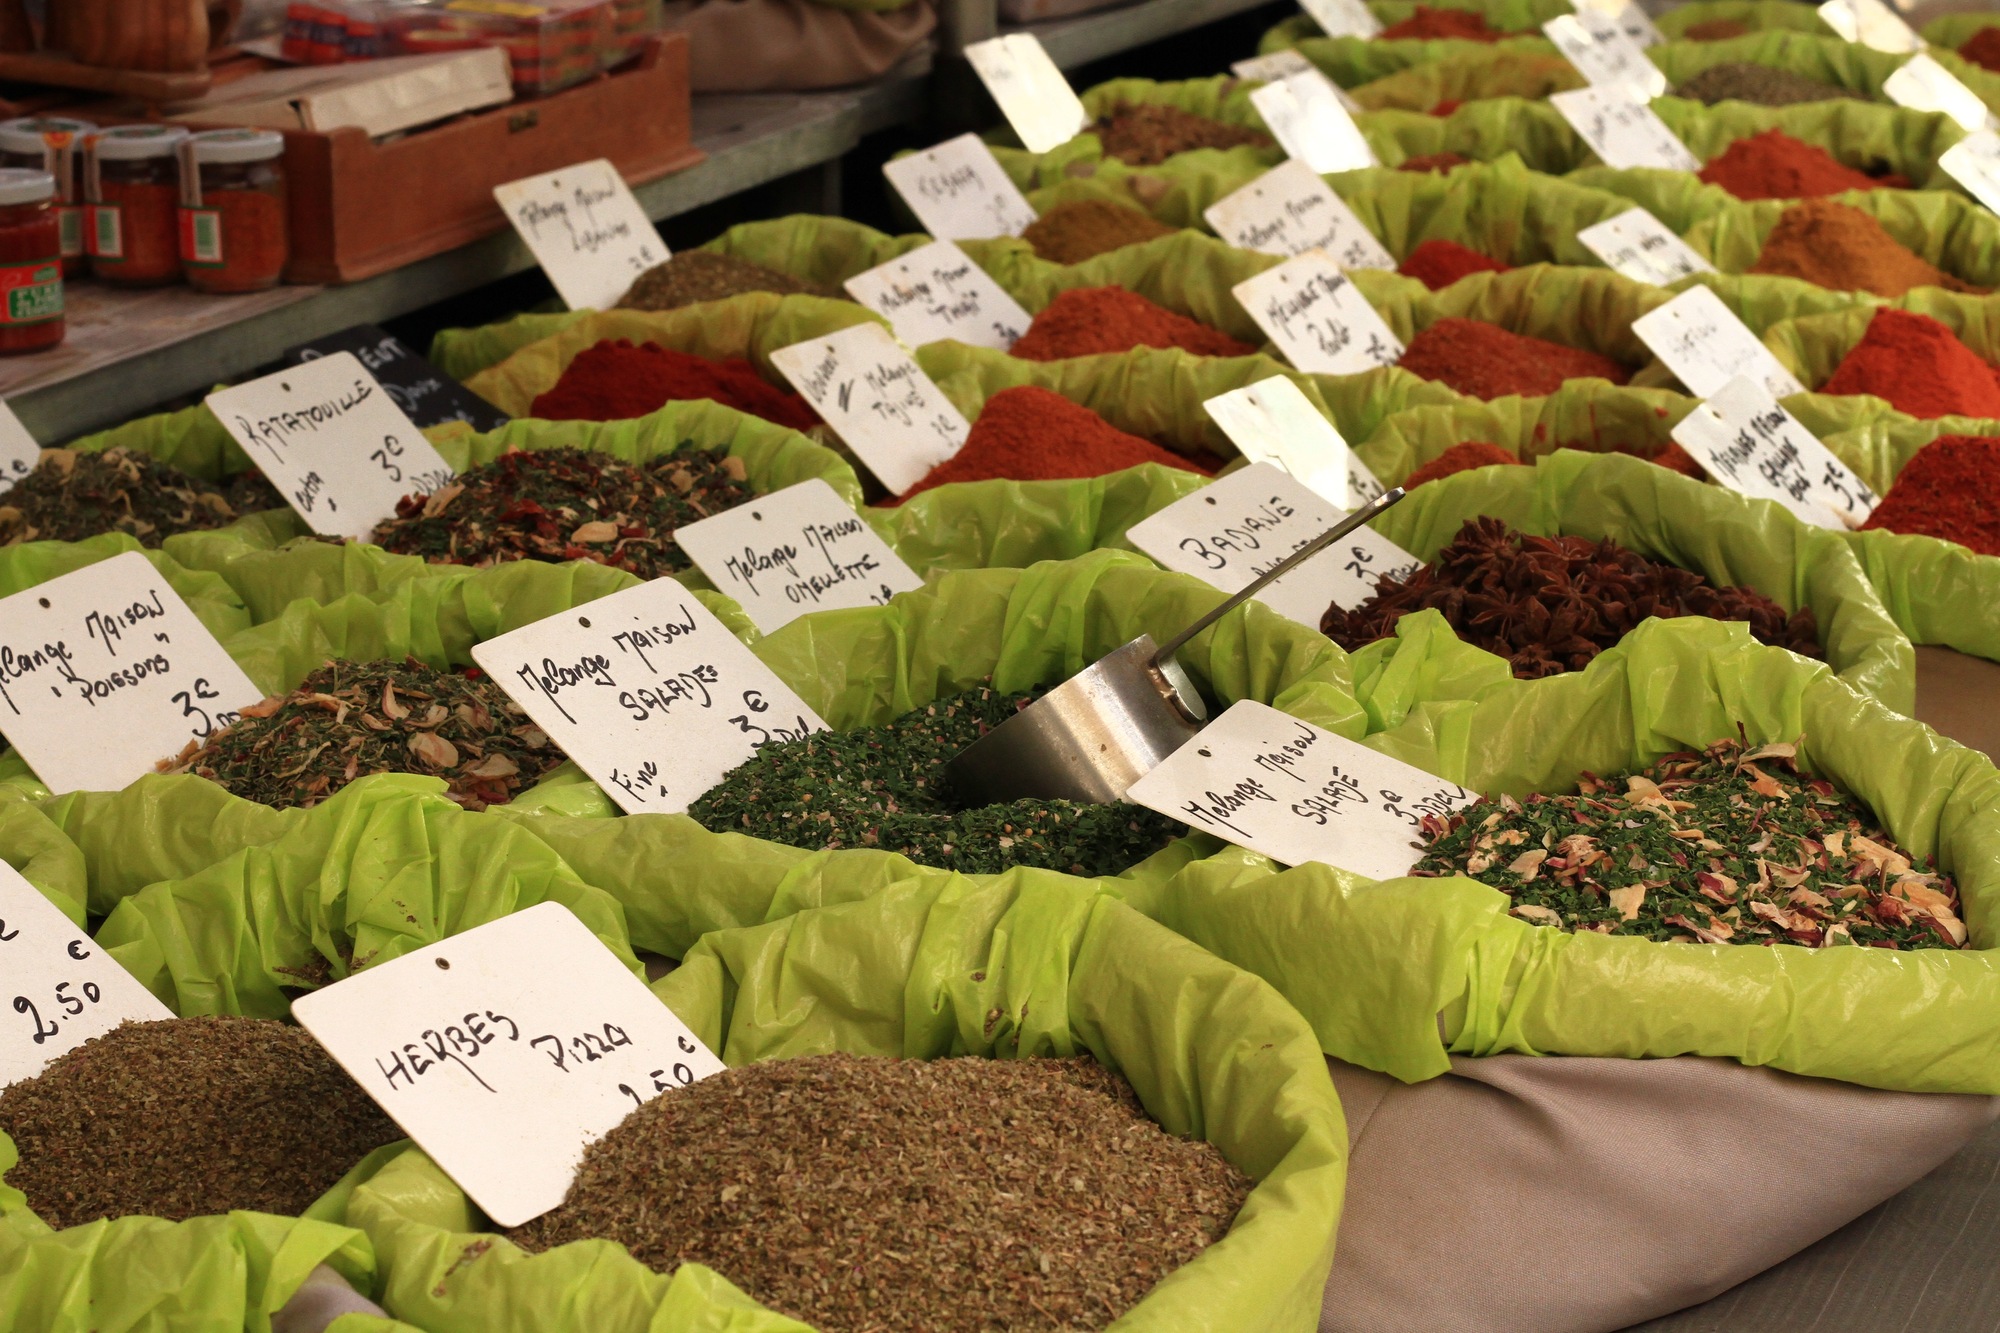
(426, 394)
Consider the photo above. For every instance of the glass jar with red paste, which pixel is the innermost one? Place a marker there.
(53, 144)
(235, 234)
(31, 278)
(131, 188)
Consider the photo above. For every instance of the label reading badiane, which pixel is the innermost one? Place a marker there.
(1030, 91)
(332, 442)
(1305, 115)
(1295, 792)
(796, 550)
(876, 398)
(1289, 210)
(427, 395)
(61, 989)
(1317, 317)
(1974, 162)
(648, 692)
(960, 192)
(18, 450)
(1872, 24)
(1623, 132)
(936, 292)
(586, 231)
(1638, 245)
(1922, 84)
(1273, 422)
(105, 671)
(1239, 527)
(506, 1051)
(1342, 18)
(1604, 55)
(1745, 440)
(1703, 342)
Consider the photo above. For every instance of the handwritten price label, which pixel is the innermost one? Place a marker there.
(960, 192)
(793, 551)
(648, 692)
(586, 229)
(506, 1051)
(869, 390)
(1289, 210)
(1871, 23)
(935, 293)
(64, 989)
(18, 451)
(333, 442)
(1621, 131)
(1629, 18)
(1267, 68)
(1746, 441)
(1031, 92)
(1343, 18)
(1922, 84)
(1703, 342)
(1305, 114)
(1974, 162)
(1638, 245)
(1272, 421)
(1295, 792)
(1604, 55)
(1316, 317)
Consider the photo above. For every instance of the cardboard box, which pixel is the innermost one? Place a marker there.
(377, 97)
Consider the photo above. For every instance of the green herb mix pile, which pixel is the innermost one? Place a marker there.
(1725, 846)
(883, 787)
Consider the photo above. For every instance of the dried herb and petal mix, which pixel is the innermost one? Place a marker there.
(1551, 604)
(348, 720)
(71, 496)
(186, 1117)
(884, 787)
(1731, 845)
(863, 1193)
(568, 504)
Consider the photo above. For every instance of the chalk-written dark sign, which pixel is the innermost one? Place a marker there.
(426, 394)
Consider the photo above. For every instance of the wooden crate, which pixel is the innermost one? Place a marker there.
(360, 208)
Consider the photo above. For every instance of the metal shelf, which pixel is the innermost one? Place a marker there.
(1078, 41)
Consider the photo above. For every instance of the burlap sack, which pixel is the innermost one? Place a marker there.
(748, 46)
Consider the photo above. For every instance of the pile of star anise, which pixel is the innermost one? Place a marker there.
(1551, 604)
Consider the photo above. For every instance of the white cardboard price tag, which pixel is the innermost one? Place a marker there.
(1703, 342)
(1638, 245)
(506, 1051)
(18, 451)
(587, 231)
(796, 550)
(1631, 20)
(1922, 84)
(1305, 115)
(1974, 162)
(1267, 68)
(1623, 132)
(1871, 23)
(1342, 18)
(1746, 441)
(333, 442)
(1289, 210)
(648, 692)
(1604, 55)
(960, 192)
(104, 672)
(869, 390)
(1240, 526)
(1322, 324)
(1295, 792)
(1273, 422)
(935, 293)
(63, 988)
(1031, 92)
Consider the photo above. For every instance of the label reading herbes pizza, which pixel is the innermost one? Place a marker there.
(33, 292)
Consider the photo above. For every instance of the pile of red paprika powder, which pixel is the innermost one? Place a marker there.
(1431, 24)
(1090, 321)
(1774, 165)
(616, 380)
(1029, 433)
(1918, 366)
(1486, 361)
(1438, 264)
(1950, 490)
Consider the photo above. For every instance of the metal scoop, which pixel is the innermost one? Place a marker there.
(1091, 737)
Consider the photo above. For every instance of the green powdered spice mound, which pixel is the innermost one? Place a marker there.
(702, 275)
(186, 1117)
(1740, 81)
(351, 719)
(884, 787)
(867, 1194)
(70, 496)
(568, 504)
(1718, 847)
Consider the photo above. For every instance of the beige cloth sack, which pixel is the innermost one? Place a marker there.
(1555, 1194)
(751, 46)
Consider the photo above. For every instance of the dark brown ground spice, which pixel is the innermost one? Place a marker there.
(348, 720)
(883, 787)
(1147, 134)
(1551, 604)
(862, 1194)
(568, 504)
(1762, 85)
(185, 1117)
(693, 276)
(71, 495)
(1726, 846)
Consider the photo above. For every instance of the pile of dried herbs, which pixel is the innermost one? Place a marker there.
(884, 787)
(1725, 846)
(186, 1117)
(863, 1194)
(350, 719)
(71, 495)
(568, 504)
(702, 275)
(1146, 134)
(1551, 604)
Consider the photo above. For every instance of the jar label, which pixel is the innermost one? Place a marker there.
(201, 237)
(34, 292)
(107, 231)
(70, 221)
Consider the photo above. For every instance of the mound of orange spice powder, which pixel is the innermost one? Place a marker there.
(1950, 489)
(1089, 321)
(1774, 165)
(1029, 433)
(1918, 366)
(1486, 361)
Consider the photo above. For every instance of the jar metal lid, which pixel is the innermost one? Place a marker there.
(24, 134)
(24, 185)
(130, 143)
(236, 145)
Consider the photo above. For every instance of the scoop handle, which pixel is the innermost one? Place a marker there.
(1365, 514)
